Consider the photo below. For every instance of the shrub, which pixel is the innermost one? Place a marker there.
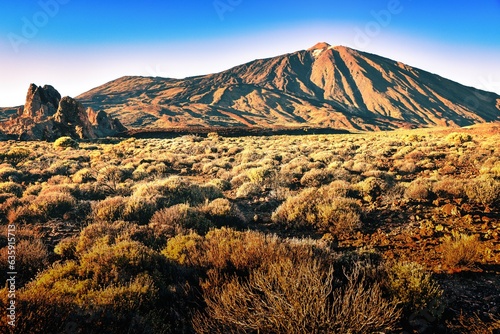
(12, 188)
(4, 198)
(109, 210)
(110, 176)
(181, 218)
(84, 175)
(458, 138)
(99, 231)
(226, 248)
(9, 174)
(220, 184)
(321, 209)
(223, 249)
(414, 289)
(183, 249)
(17, 155)
(139, 209)
(31, 255)
(449, 188)
(288, 297)
(66, 248)
(116, 285)
(65, 142)
(484, 190)
(476, 325)
(221, 212)
(461, 251)
(116, 263)
(175, 190)
(37, 312)
(316, 178)
(371, 188)
(259, 174)
(248, 189)
(419, 190)
(52, 204)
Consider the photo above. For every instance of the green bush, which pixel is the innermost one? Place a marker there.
(66, 248)
(110, 232)
(458, 138)
(65, 142)
(259, 174)
(117, 285)
(184, 249)
(414, 288)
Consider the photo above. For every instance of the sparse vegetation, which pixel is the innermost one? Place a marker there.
(374, 232)
(462, 251)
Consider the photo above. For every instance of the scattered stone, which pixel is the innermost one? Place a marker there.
(450, 210)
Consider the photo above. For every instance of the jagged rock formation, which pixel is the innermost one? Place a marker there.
(323, 86)
(73, 117)
(103, 125)
(47, 116)
(40, 101)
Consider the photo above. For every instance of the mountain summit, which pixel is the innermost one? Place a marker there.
(320, 46)
(322, 86)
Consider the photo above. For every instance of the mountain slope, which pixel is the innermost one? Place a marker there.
(322, 86)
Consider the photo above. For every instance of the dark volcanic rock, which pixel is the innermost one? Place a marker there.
(45, 116)
(41, 101)
(103, 124)
(72, 116)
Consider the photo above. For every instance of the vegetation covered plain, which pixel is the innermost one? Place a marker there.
(380, 232)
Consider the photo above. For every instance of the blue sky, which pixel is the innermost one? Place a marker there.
(76, 45)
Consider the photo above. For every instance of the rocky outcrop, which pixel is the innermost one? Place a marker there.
(40, 101)
(73, 117)
(103, 125)
(47, 116)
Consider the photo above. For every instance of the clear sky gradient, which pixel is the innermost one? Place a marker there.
(76, 45)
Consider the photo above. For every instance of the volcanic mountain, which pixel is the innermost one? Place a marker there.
(322, 86)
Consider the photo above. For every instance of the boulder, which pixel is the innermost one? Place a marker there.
(72, 115)
(104, 125)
